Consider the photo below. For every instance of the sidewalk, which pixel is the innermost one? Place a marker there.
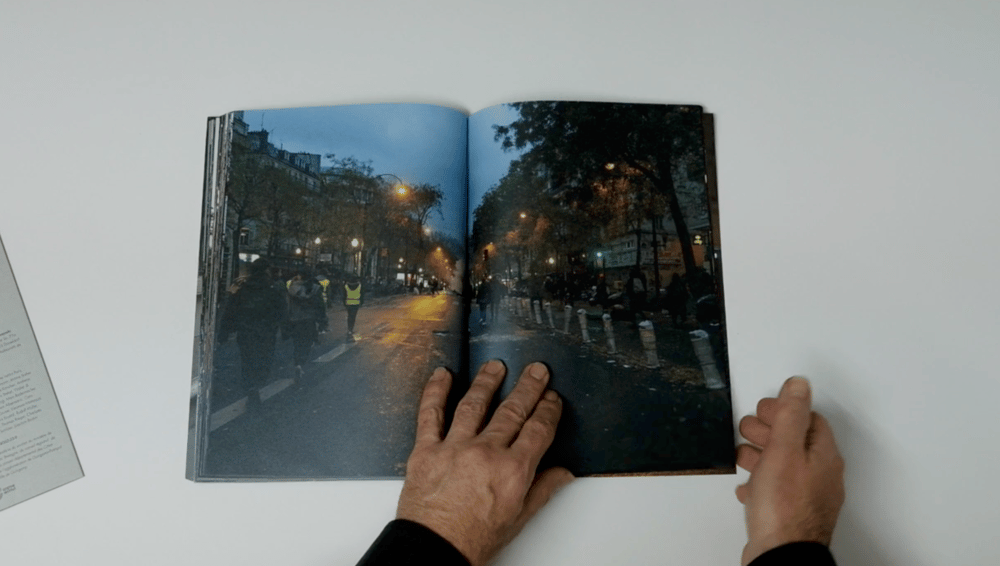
(674, 349)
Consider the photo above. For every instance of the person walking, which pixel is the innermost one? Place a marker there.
(354, 297)
(306, 314)
(254, 312)
(635, 291)
(483, 299)
(676, 300)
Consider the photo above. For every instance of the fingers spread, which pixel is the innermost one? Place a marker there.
(754, 430)
(472, 408)
(512, 413)
(792, 417)
(430, 418)
(540, 429)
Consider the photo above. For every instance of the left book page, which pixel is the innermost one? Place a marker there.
(36, 452)
(330, 287)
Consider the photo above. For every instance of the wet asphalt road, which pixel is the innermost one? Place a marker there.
(353, 413)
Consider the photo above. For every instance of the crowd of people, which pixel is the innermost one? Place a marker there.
(264, 306)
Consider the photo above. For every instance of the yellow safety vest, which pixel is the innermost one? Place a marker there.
(353, 295)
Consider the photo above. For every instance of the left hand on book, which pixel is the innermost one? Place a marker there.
(477, 486)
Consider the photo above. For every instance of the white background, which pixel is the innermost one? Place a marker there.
(857, 157)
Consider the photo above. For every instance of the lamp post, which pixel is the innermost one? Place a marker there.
(356, 245)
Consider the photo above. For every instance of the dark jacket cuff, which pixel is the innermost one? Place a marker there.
(406, 542)
(796, 554)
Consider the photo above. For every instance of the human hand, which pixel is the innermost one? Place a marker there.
(477, 486)
(796, 484)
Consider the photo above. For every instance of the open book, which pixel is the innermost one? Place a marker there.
(347, 251)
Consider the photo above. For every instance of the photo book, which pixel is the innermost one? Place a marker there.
(347, 251)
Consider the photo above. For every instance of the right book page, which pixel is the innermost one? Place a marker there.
(594, 247)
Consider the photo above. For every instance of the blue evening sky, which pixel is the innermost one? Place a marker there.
(418, 143)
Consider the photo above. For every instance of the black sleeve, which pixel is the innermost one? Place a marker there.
(406, 542)
(796, 554)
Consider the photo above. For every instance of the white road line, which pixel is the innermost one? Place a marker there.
(498, 338)
(334, 353)
(233, 410)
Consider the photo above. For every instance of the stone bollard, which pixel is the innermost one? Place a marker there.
(703, 349)
(649, 343)
(609, 331)
(548, 311)
(538, 312)
(582, 315)
(525, 308)
(569, 314)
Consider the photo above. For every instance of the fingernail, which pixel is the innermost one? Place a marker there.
(538, 371)
(798, 387)
(552, 396)
(439, 373)
(494, 367)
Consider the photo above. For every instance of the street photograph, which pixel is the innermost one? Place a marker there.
(333, 253)
(348, 251)
(594, 247)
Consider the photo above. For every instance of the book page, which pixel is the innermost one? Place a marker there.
(330, 288)
(594, 249)
(36, 452)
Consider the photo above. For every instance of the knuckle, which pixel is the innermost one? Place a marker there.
(512, 410)
(471, 406)
(539, 427)
(430, 415)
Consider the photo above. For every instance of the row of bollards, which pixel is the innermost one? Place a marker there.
(532, 310)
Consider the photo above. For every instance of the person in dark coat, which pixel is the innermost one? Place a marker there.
(306, 315)
(484, 297)
(254, 312)
(677, 299)
(635, 290)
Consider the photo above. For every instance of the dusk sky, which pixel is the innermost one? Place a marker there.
(418, 143)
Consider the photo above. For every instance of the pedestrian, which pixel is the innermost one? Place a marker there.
(354, 297)
(483, 299)
(677, 299)
(497, 292)
(254, 312)
(306, 315)
(635, 291)
(601, 296)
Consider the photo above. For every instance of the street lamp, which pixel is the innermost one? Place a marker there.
(401, 188)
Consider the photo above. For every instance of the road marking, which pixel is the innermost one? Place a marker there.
(233, 410)
(498, 338)
(334, 353)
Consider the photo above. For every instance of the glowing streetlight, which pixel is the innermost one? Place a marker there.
(316, 240)
(524, 215)
(354, 243)
(298, 251)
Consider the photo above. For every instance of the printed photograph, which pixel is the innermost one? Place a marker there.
(331, 288)
(594, 247)
(348, 251)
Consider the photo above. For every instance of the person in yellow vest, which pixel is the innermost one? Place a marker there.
(354, 297)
